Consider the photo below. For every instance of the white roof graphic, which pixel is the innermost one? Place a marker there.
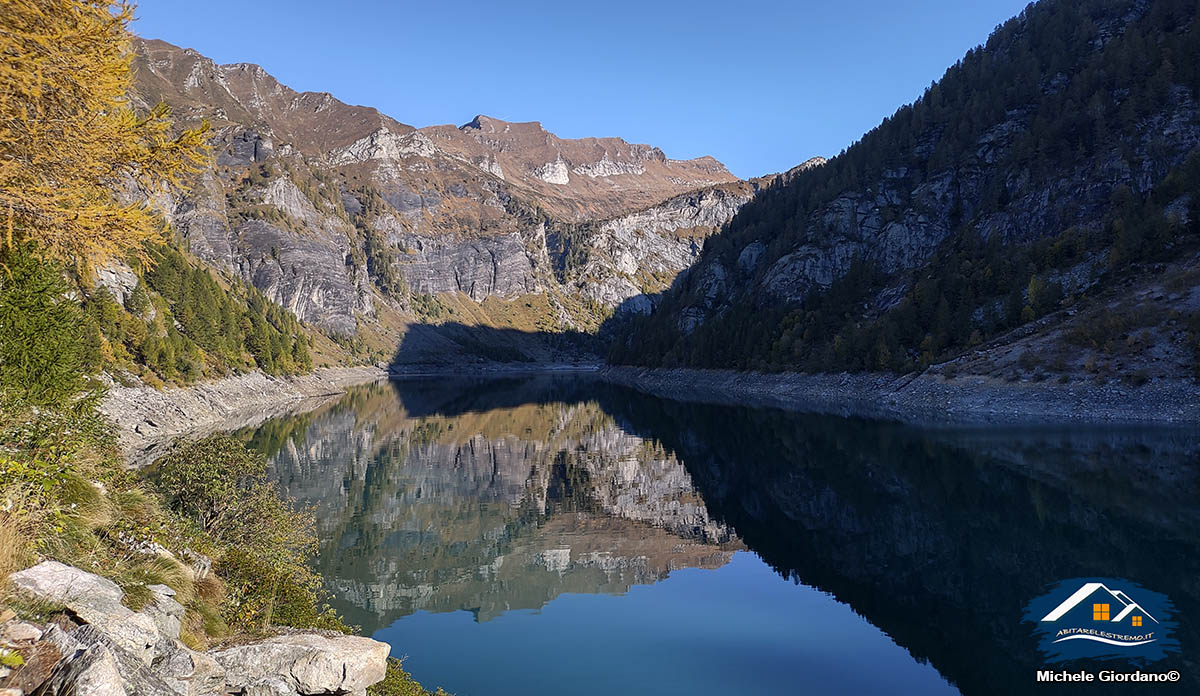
(1086, 591)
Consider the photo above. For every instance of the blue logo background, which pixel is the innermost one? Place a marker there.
(1157, 612)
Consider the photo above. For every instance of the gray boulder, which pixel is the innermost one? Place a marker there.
(19, 632)
(94, 673)
(165, 612)
(135, 677)
(191, 673)
(271, 686)
(90, 668)
(96, 601)
(304, 664)
(180, 671)
(119, 652)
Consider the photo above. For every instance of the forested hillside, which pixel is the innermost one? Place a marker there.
(1047, 168)
(179, 322)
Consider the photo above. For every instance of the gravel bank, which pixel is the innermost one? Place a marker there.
(148, 418)
(928, 399)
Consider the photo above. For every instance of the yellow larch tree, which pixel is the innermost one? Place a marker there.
(70, 136)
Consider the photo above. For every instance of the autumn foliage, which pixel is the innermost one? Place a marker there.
(72, 135)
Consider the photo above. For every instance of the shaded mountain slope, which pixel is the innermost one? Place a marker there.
(1055, 163)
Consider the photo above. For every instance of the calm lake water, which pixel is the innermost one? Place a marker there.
(557, 535)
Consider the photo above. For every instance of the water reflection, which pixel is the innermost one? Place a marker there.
(496, 495)
(444, 504)
(940, 537)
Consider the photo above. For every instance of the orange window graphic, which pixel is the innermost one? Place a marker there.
(1100, 612)
(1137, 621)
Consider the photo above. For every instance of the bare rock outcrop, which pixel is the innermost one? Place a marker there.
(95, 600)
(149, 418)
(305, 664)
(100, 647)
(642, 253)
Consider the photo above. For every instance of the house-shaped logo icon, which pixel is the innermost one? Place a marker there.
(1103, 618)
(1107, 606)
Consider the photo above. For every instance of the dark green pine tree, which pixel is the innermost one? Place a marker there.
(42, 334)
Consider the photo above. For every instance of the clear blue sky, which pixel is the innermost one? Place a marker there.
(760, 85)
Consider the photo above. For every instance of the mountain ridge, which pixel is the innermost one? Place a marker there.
(257, 94)
(362, 225)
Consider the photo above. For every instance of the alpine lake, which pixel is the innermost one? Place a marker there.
(555, 534)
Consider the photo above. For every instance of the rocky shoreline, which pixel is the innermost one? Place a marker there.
(928, 399)
(148, 419)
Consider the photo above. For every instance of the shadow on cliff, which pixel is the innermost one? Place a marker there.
(454, 395)
(458, 347)
(453, 346)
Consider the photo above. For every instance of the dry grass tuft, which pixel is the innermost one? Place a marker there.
(14, 551)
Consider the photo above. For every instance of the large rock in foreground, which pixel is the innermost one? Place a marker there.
(100, 647)
(305, 664)
(96, 601)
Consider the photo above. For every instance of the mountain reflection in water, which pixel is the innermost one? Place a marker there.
(496, 495)
(432, 504)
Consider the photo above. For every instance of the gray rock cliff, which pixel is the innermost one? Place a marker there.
(323, 206)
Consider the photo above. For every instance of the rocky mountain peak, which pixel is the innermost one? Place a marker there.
(577, 178)
(487, 124)
(807, 164)
(246, 95)
(321, 205)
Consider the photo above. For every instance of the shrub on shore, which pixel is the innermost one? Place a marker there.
(263, 543)
(399, 683)
(65, 493)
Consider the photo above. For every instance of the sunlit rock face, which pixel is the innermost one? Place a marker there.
(322, 205)
(640, 254)
(489, 510)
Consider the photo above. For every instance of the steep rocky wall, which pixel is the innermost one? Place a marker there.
(641, 253)
(899, 220)
(506, 266)
(299, 181)
(307, 256)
